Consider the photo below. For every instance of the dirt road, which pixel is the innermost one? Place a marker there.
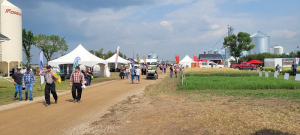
(67, 117)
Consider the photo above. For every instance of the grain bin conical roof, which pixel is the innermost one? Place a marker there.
(260, 34)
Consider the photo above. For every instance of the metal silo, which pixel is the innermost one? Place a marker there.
(261, 42)
(278, 50)
(218, 51)
(11, 26)
(227, 53)
(210, 51)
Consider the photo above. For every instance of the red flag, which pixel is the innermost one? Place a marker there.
(297, 46)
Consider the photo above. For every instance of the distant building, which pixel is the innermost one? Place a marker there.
(278, 50)
(216, 58)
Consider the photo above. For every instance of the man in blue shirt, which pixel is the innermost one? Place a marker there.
(132, 71)
(28, 81)
(294, 68)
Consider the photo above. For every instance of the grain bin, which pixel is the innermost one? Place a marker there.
(210, 51)
(10, 26)
(261, 42)
(278, 50)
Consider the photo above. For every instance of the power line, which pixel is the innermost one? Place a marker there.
(220, 40)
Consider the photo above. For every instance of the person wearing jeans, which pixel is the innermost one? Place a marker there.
(28, 81)
(171, 72)
(17, 80)
(132, 71)
(89, 76)
(127, 72)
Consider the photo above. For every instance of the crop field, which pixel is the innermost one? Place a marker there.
(230, 79)
(234, 83)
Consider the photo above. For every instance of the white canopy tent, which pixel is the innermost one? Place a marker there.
(112, 60)
(87, 59)
(149, 61)
(187, 62)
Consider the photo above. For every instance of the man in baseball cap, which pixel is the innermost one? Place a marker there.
(17, 80)
(76, 81)
(50, 84)
(28, 81)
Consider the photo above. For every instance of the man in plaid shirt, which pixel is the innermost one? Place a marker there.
(76, 81)
(28, 81)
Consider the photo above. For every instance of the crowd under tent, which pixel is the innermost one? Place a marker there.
(65, 63)
(187, 62)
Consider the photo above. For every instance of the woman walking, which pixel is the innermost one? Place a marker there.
(127, 72)
(89, 77)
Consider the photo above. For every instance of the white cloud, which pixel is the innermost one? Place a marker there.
(283, 34)
(190, 29)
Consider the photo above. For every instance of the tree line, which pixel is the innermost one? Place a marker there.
(262, 56)
(53, 44)
(48, 44)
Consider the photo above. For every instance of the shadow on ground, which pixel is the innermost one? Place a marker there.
(270, 132)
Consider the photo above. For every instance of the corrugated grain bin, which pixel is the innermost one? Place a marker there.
(261, 42)
(10, 26)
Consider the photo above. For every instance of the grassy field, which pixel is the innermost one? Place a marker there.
(7, 89)
(237, 83)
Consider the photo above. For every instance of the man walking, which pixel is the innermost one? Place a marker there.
(50, 84)
(132, 71)
(28, 81)
(76, 81)
(294, 68)
(17, 80)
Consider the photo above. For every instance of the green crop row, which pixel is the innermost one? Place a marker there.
(237, 73)
(237, 83)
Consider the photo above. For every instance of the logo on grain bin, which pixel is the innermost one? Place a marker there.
(13, 12)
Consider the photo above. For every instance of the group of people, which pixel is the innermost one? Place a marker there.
(27, 81)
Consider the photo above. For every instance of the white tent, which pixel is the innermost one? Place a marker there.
(149, 61)
(121, 60)
(112, 60)
(187, 62)
(87, 59)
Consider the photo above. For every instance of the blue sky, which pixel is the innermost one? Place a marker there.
(167, 27)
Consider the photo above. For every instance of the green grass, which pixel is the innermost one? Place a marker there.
(7, 89)
(237, 73)
(172, 87)
(241, 83)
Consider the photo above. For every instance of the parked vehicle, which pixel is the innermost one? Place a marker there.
(244, 65)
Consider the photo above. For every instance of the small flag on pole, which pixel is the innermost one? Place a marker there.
(118, 50)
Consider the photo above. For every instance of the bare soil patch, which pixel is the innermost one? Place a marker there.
(165, 110)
